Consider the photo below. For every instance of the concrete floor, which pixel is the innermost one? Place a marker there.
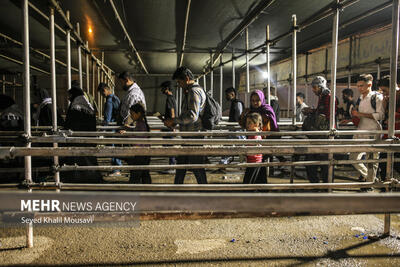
(288, 241)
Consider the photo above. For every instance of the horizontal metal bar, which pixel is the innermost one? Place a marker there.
(208, 187)
(214, 166)
(19, 62)
(266, 203)
(11, 152)
(161, 141)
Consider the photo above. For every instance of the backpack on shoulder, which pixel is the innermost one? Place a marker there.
(212, 113)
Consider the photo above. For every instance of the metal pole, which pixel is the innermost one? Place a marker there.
(27, 110)
(349, 79)
(93, 78)
(378, 73)
(211, 75)
(205, 83)
(294, 67)
(335, 33)
(4, 84)
(180, 100)
(267, 43)
(53, 89)
(247, 68)
(102, 80)
(392, 97)
(14, 87)
(79, 57)
(98, 94)
(68, 55)
(87, 70)
(233, 68)
(221, 81)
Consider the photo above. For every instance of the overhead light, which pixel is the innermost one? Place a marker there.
(265, 75)
(90, 30)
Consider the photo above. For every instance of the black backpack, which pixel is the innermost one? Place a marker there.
(212, 113)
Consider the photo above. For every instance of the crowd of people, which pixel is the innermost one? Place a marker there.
(368, 112)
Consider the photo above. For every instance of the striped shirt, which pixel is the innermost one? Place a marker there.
(133, 96)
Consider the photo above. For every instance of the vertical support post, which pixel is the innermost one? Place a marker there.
(378, 71)
(350, 62)
(205, 82)
(211, 75)
(14, 87)
(79, 57)
(267, 54)
(27, 108)
(335, 33)
(68, 54)
(180, 100)
(233, 68)
(247, 69)
(98, 94)
(53, 91)
(93, 78)
(102, 80)
(109, 73)
(221, 81)
(87, 70)
(294, 68)
(349, 79)
(4, 84)
(392, 96)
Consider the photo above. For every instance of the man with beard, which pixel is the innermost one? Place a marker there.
(347, 95)
(133, 96)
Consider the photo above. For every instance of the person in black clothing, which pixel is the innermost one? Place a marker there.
(347, 95)
(80, 117)
(236, 105)
(42, 103)
(235, 111)
(170, 111)
(274, 102)
(11, 119)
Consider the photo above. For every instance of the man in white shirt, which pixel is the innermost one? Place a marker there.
(370, 111)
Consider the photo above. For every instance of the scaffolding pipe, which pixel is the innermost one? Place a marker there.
(184, 32)
(22, 63)
(211, 76)
(208, 187)
(221, 82)
(213, 166)
(233, 68)
(162, 141)
(294, 68)
(392, 97)
(212, 133)
(205, 83)
(79, 57)
(332, 107)
(53, 88)
(267, 53)
(11, 152)
(69, 82)
(87, 70)
(131, 44)
(247, 100)
(27, 109)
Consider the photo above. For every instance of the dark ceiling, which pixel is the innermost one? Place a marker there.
(156, 28)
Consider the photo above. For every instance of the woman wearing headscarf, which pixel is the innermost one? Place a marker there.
(258, 105)
(81, 116)
(269, 123)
